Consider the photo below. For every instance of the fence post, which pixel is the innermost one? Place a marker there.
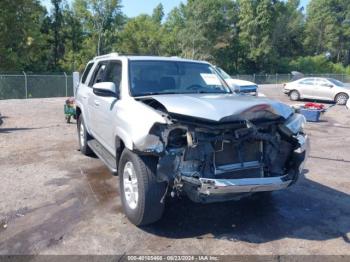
(25, 84)
(65, 75)
(276, 79)
(254, 77)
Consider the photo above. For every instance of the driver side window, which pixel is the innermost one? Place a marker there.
(114, 74)
(98, 74)
(322, 82)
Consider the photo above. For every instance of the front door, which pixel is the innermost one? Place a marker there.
(306, 87)
(324, 90)
(94, 101)
(106, 111)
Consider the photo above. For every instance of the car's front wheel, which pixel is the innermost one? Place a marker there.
(341, 98)
(140, 192)
(294, 95)
(84, 137)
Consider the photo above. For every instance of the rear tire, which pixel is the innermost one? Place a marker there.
(83, 137)
(294, 95)
(341, 98)
(140, 192)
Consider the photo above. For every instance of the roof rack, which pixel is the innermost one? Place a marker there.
(106, 56)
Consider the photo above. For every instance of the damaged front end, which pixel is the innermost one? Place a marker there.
(217, 161)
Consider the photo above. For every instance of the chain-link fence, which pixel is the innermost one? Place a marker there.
(263, 79)
(25, 85)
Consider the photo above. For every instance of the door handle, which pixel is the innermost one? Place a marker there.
(97, 103)
(84, 97)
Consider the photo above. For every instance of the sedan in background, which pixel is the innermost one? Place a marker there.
(318, 88)
(238, 85)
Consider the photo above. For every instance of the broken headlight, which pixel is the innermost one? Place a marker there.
(177, 138)
(294, 124)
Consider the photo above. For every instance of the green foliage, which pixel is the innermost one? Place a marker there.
(21, 40)
(141, 35)
(327, 29)
(242, 36)
(317, 64)
(158, 14)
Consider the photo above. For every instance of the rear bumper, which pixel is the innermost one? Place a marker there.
(214, 190)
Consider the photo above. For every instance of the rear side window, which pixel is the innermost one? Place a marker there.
(308, 81)
(86, 72)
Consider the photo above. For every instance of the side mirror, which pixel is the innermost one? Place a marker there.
(106, 89)
(236, 88)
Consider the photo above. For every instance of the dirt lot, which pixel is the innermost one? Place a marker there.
(54, 200)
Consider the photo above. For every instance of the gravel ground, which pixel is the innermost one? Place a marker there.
(54, 200)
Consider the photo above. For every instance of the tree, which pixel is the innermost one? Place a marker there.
(74, 37)
(207, 28)
(141, 35)
(57, 37)
(22, 44)
(158, 13)
(101, 20)
(172, 27)
(256, 23)
(328, 30)
(288, 31)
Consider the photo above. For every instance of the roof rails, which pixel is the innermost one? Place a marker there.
(106, 56)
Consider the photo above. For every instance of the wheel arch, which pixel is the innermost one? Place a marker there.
(341, 92)
(119, 148)
(77, 112)
(295, 90)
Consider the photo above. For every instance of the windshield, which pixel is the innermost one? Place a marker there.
(222, 73)
(336, 82)
(174, 77)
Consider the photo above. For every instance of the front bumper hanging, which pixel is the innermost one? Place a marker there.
(212, 190)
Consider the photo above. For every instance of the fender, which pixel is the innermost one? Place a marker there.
(124, 136)
(82, 109)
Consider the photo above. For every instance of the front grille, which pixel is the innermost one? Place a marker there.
(238, 160)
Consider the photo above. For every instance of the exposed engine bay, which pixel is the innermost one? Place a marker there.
(213, 161)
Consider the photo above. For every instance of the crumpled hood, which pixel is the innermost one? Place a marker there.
(223, 107)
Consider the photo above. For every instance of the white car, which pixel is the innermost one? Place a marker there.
(328, 89)
(238, 85)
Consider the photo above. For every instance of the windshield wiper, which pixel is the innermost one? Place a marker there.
(210, 92)
(181, 93)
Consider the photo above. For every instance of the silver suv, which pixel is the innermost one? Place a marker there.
(171, 127)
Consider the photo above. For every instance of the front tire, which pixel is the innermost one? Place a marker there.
(140, 192)
(84, 137)
(294, 95)
(341, 98)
